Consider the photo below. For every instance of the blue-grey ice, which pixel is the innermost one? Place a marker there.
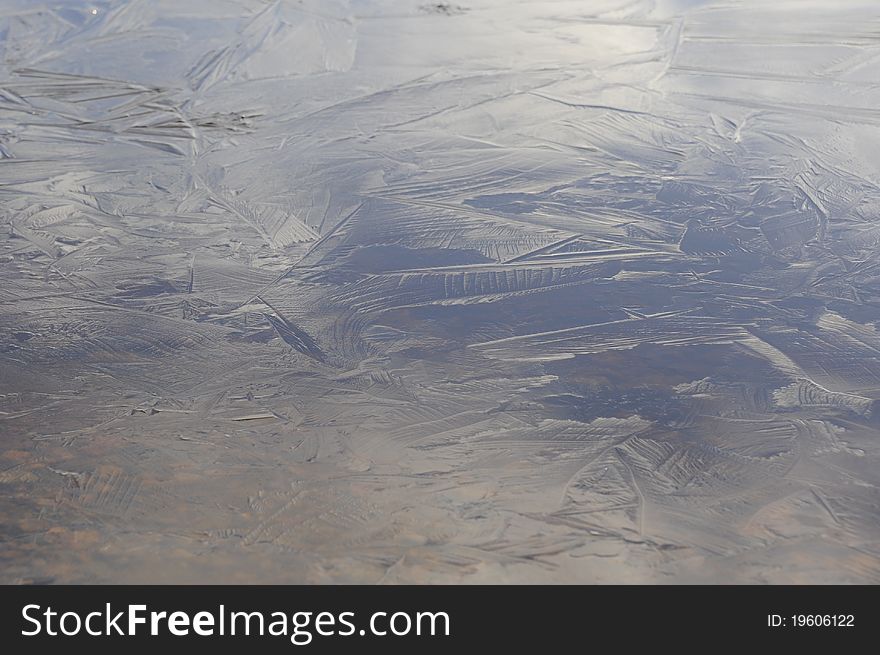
(387, 291)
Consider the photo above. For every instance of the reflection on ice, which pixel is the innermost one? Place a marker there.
(374, 290)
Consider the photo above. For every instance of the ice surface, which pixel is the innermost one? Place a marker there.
(387, 291)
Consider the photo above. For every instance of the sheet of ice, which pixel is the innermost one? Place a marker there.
(391, 291)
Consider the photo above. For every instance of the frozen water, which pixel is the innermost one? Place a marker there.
(393, 291)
